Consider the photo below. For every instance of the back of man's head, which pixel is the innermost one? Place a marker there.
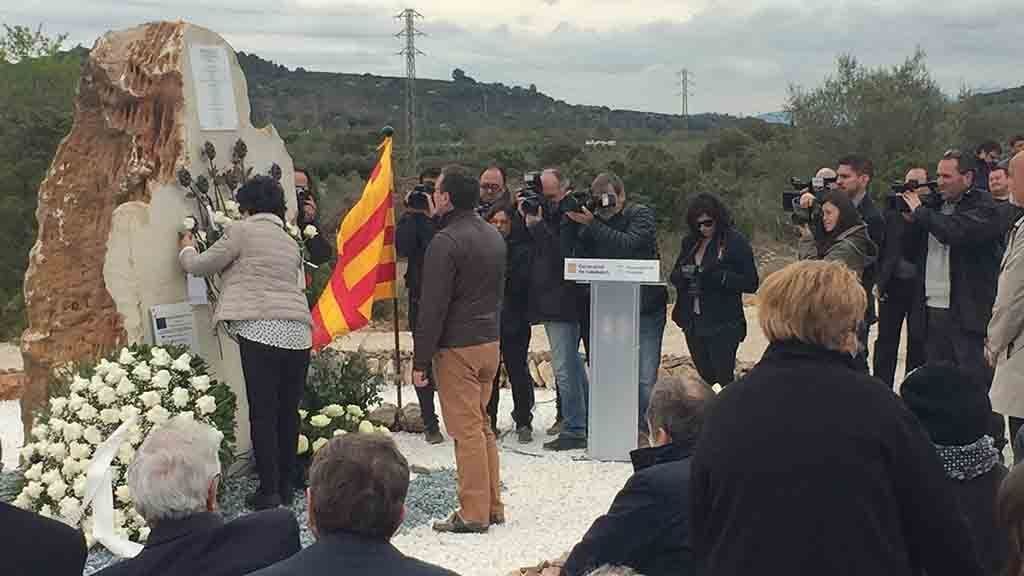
(358, 484)
(463, 188)
(677, 406)
(171, 475)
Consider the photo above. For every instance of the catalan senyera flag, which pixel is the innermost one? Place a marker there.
(365, 271)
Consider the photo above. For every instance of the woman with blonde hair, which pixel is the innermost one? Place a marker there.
(808, 466)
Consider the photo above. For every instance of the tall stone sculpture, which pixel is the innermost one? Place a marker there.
(111, 207)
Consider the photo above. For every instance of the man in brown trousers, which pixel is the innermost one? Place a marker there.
(458, 329)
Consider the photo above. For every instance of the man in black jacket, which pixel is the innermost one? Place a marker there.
(173, 482)
(554, 302)
(357, 489)
(961, 264)
(412, 235)
(854, 173)
(986, 156)
(648, 525)
(35, 545)
(900, 282)
(497, 208)
(621, 231)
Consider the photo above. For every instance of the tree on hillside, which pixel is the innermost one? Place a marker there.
(21, 43)
(891, 115)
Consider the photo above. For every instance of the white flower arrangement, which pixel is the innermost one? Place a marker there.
(331, 421)
(99, 400)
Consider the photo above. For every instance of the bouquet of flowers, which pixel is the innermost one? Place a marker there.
(332, 420)
(150, 384)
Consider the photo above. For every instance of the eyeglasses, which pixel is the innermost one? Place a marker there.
(705, 223)
(491, 187)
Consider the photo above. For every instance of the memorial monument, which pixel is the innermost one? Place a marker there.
(111, 206)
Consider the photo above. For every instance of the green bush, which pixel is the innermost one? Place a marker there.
(338, 378)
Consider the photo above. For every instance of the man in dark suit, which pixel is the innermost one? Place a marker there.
(648, 525)
(356, 496)
(32, 544)
(854, 173)
(173, 481)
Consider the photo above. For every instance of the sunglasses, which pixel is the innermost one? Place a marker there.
(705, 223)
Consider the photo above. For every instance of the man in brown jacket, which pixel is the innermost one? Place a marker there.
(457, 329)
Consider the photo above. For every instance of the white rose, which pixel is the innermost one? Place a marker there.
(320, 421)
(69, 507)
(159, 358)
(72, 432)
(303, 445)
(57, 450)
(79, 487)
(92, 435)
(57, 490)
(183, 363)
(110, 415)
(95, 383)
(150, 398)
(33, 490)
(46, 511)
(354, 411)
(79, 450)
(293, 230)
(318, 444)
(126, 357)
(128, 412)
(102, 367)
(125, 387)
(231, 207)
(87, 413)
(142, 372)
(189, 224)
(35, 472)
(206, 405)
(302, 414)
(57, 406)
(114, 375)
(106, 396)
(144, 533)
(366, 427)
(158, 415)
(333, 410)
(40, 431)
(384, 430)
(70, 468)
(79, 384)
(221, 219)
(340, 432)
(75, 402)
(50, 476)
(309, 231)
(125, 453)
(180, 397)
(22, 501)
(28, 451)
(201, 383)
(162, 379)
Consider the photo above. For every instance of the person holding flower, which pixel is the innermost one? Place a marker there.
(262, 306)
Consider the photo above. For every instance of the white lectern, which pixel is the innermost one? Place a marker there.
(614, 350)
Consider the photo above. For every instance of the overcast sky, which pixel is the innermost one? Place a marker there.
(616, 53)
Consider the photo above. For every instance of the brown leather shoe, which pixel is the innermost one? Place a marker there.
(456, 525)
(433, 436)
(497, 519)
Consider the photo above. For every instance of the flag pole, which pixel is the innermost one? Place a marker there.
(389, 132)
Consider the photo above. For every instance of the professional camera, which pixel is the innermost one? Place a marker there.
(816, 185)
(419, 198)
(592, 203)
(530, 196)
(895, 201)
(689, 273)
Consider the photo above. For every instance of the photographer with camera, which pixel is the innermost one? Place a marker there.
(553, 301)
(515, 322)
(714, 269)
(413, 233)
(839, 234)
(900, 282)
(615, 230)
(319, 247)
(986, 157)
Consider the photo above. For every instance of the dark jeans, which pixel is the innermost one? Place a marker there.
(274, 380)
(515, 348)
(901, 303)
(714, 355)
(949, 344)
(425, 394)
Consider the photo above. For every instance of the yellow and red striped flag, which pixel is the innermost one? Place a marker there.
(365, 270)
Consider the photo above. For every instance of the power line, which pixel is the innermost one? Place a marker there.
(410, 51)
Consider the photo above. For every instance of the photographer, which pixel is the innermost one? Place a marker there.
(900, 282)
(714, 269)
(838, 234)
(553, 300)
(617, 230)
(319, 247)
(413, 233)
(515, 322)
(986, 157)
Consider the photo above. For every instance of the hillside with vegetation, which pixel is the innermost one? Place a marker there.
(331, 123)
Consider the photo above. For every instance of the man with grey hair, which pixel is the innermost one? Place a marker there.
(173, 482)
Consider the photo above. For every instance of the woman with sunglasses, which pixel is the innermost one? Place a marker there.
(714, 269)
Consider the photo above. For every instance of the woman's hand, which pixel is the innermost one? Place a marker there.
(185, 240)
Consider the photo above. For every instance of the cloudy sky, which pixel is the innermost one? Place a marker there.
(743, 55)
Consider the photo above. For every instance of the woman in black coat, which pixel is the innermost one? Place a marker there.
(807, 466)
(714, 269)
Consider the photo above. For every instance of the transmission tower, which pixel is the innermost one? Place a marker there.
(685, 83)
(409, 33)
